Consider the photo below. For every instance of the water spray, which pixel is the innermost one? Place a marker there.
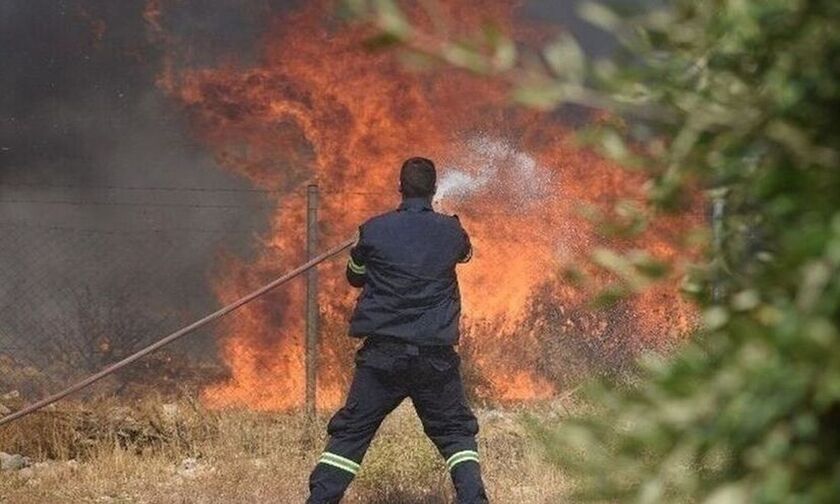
(494, 164)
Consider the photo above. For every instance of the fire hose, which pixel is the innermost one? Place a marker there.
(177, 334)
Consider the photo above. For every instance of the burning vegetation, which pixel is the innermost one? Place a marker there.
(316, 107)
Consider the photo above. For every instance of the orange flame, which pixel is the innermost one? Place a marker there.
(319, 108)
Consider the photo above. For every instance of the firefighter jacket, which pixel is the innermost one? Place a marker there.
(405, 264)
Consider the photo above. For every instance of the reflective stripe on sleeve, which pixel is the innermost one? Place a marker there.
(461, 456)
(358, 269)
(340, 462)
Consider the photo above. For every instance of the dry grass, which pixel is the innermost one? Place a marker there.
(135, 454)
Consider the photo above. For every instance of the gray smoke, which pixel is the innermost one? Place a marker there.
(106, 197)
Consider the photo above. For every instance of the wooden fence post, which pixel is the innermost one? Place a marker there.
(312, 309)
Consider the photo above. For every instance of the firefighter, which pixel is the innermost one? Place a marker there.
(408, 311)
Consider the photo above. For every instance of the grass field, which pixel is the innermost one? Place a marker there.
(152, 452)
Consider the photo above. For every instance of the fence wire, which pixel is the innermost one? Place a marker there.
(73, 300)
(76, 298)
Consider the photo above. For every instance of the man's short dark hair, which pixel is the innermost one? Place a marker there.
(417, 178)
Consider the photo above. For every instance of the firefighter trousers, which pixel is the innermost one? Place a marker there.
(385, 375)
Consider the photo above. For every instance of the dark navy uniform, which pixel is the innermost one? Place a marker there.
(408, 313)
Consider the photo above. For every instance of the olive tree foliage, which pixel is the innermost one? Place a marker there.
(738, 97)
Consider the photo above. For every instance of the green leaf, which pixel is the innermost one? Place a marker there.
(503, 48)
(544, 96)
(354, 8)
(566, 59)
(609, 296)
(733, 493)
(599, 15)
(381, 41)
(392, 20)
(462, 55)
(715, 318)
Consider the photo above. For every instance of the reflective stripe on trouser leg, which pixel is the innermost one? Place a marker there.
(355, 267)
(461, 456)
(340, 462)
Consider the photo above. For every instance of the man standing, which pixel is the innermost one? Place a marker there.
(408, 314)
